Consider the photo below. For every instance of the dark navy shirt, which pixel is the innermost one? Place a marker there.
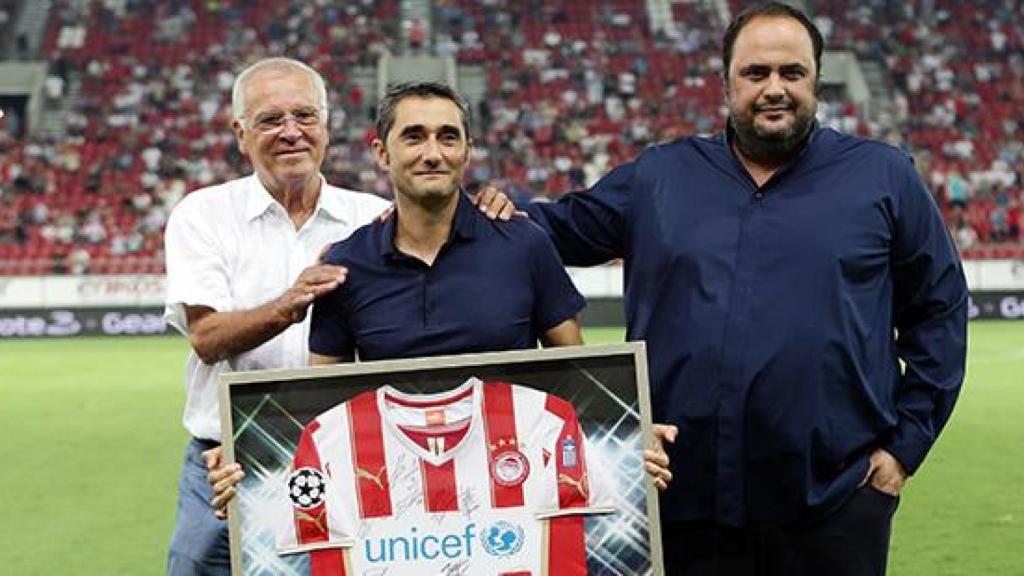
(776, 317)
(494, 286)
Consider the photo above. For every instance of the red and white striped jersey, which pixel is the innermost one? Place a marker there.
(486, 479)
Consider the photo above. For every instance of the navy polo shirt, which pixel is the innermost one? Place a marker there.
(777, 317)
(494, 286)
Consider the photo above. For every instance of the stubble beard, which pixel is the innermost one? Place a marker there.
(431, 198)
(771, 146)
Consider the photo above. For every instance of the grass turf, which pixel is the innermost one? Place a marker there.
(91, 446)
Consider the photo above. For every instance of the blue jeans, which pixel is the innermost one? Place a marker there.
(199, 546)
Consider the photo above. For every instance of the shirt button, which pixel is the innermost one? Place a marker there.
(759, 195)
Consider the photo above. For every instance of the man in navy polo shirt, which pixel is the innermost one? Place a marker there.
(439, 277)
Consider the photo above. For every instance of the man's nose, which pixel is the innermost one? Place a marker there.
(432, 150)
(774, 89)
(290, 130)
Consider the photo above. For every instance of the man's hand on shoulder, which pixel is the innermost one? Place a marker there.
(493, 202)
(314, 282)
(216, 335)
(383, 216)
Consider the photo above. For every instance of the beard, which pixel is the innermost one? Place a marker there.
(770, 146)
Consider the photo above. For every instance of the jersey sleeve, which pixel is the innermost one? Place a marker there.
(580, 484)
(556, 298)
(197, 269)
(309, 491)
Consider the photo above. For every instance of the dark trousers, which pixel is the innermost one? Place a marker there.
(853, 541)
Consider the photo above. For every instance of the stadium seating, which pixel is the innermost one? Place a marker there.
(574, 87)
(958, 74)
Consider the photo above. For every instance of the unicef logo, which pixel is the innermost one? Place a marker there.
(502, 539)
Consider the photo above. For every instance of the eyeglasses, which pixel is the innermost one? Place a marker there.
(274, 120)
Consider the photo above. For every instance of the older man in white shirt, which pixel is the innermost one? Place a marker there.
(242, 271)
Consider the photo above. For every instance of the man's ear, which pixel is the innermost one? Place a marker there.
(380, 154)
(239, 131)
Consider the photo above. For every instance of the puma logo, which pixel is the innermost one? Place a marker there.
(580, 485)
(317, 521)
(377, 478)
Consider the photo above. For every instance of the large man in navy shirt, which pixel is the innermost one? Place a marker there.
(780, 272)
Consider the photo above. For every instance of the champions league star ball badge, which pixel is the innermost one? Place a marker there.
(306, 488)
(510, 468)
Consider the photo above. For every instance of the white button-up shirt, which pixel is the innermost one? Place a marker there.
(233, 247)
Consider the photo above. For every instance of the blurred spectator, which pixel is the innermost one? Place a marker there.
(417, 34)
(53, 87)
(21, 48)
(78, 261)
(956, 189)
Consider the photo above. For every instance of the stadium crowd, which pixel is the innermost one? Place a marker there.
(956, 71)
(574, 88)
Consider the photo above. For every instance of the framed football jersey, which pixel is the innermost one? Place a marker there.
(499, 464)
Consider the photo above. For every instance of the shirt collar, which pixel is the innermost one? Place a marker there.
(464, 226)
(259, 200)
(333, 205)
(466, 217)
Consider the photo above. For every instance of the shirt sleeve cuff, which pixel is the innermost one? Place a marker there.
(327, 344)
(910, 446)
(174, 312)
(571, 308)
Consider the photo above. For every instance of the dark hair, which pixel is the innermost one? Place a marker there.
(398, 92)
(777, 9)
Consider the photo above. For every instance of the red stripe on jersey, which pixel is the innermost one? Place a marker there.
(310, 523)
(500, 424)
(567, 554)
(327, 562)
(570, 459)
(368, 456)
(440, 492)
(429, 403)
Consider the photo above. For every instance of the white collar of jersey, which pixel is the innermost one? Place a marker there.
(393, 415)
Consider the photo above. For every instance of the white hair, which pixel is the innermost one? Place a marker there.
(238, 90)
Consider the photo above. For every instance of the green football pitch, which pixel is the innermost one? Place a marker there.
(91, 444)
